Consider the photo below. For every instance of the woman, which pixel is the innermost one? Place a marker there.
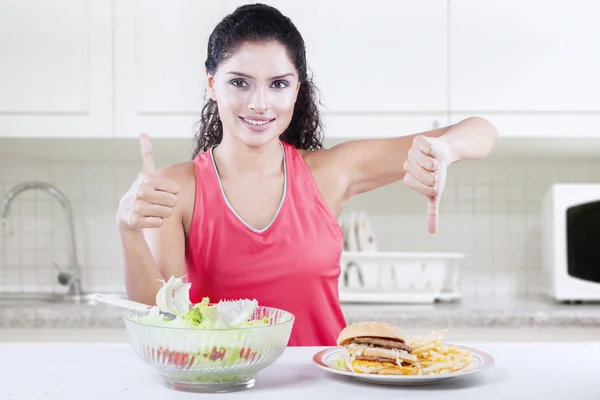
(254, 214)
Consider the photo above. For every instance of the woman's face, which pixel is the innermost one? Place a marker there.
(255, 91)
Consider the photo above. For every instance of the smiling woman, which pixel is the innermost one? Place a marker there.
(257, 72)
(262, 102)
(254, 214)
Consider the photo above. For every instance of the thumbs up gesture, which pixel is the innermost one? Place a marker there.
(150, 198)
(425, 166)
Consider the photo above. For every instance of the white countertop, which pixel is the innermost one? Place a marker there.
(53, 371)
(471, 312)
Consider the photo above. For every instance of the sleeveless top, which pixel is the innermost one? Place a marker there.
(292, 264)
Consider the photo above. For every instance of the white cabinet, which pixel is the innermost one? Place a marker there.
(56, 68)
(160, 49)
(98, 68)
(531, 67)
(381, 66)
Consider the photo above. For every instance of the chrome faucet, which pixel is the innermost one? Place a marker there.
(71, 275)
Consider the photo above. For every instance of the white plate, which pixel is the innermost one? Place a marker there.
(325, 358)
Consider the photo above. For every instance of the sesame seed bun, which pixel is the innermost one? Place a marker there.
(370, 329)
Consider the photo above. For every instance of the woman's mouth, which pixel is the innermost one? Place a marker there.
(257, 125)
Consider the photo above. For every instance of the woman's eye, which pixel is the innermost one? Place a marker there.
(279, 84)
(238, 83)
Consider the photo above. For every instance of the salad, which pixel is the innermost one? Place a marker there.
(218, 342)
(174, 298)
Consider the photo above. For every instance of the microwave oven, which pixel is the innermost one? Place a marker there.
(571, 242)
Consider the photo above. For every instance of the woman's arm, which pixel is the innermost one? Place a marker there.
(150, 223)
(142, 273)
(151, 255)
(372, 163)
(421, 159)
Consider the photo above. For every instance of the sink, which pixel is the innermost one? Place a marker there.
(20, 299)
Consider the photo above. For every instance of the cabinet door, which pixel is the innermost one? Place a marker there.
(381, 69)
(531, 66)
(55, 73)
(160, 49)
(381, 66)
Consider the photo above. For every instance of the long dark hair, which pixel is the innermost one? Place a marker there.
(260, 23)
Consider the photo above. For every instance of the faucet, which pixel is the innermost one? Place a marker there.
(71, 275)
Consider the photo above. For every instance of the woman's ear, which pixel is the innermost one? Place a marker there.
(298, 87)
(210, 80)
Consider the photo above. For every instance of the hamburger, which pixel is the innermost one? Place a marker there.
(377, 348)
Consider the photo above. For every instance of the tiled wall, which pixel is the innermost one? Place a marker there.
(490, 210)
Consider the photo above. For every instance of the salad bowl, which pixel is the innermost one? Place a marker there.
(213, 359)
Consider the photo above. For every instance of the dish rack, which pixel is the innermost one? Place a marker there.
(373, 276)
(399, 277)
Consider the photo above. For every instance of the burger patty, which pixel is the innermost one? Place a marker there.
(388, 343)
(375, 359)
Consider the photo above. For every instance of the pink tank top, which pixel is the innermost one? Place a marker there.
(293, 264)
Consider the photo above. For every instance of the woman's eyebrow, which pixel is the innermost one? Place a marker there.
(251, 77)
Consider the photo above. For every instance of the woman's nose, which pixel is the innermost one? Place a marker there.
(259, 102)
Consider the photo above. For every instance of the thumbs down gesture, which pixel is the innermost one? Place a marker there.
(425, 166)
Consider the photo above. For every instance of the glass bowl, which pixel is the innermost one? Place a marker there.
(211, 360)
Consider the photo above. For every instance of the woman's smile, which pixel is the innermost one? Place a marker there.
(257, 124)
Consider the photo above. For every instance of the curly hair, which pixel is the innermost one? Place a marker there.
(261, 23)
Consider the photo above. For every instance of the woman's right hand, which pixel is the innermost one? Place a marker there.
(151, 197)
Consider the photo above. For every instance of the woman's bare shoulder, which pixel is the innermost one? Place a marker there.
(316, 159)
(327, 178)
(183, 173)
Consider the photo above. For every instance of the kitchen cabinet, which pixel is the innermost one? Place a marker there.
(530, 67)
(56, 69)
(160, 51)
(381, 69)
(102, 69)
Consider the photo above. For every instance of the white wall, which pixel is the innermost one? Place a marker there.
(490, 211)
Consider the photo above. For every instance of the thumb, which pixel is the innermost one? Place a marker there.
(433, 204)
(147, 155)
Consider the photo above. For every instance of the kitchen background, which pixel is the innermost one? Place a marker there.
(80, 80)
(491, 211)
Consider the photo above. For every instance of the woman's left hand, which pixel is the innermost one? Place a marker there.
(426, 165)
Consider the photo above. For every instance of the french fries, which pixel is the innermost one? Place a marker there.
(436, 357)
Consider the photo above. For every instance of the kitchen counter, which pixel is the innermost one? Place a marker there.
(102, 371)
(492, 313)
